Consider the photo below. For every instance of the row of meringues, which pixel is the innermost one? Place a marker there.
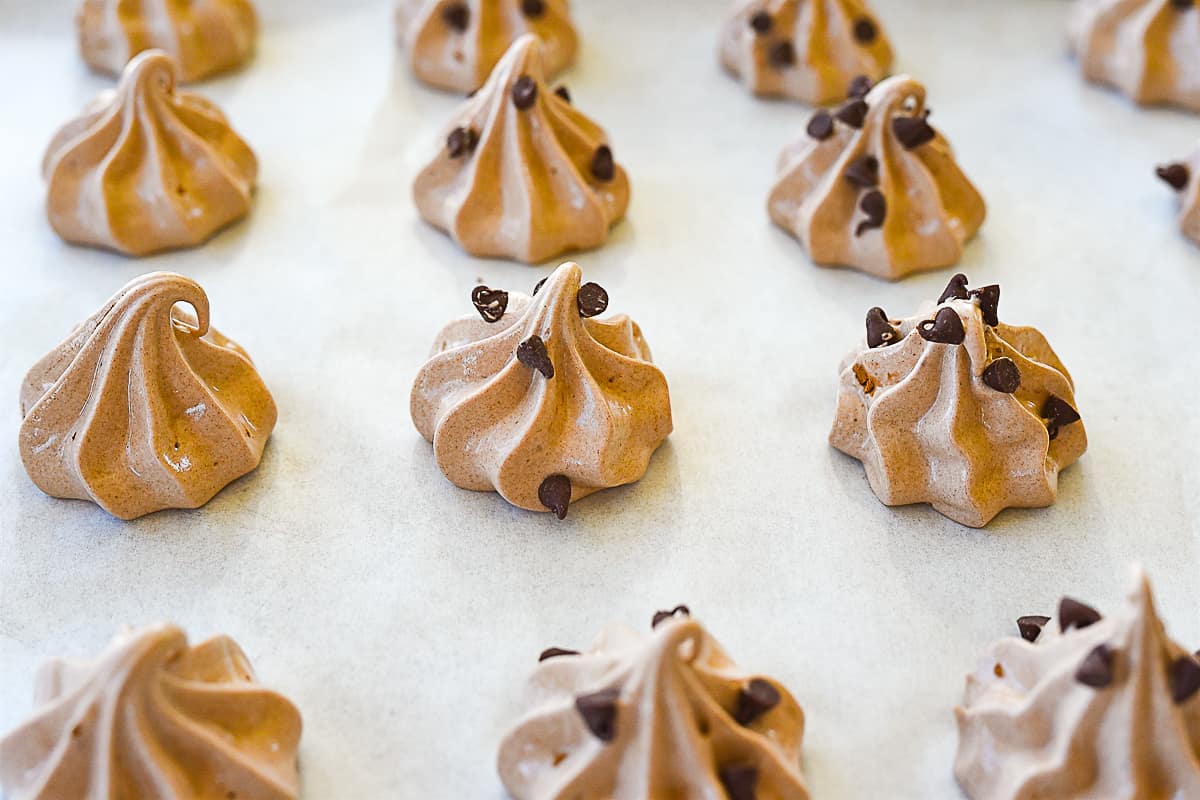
(1083, 705)
(872, 185)
(145, 406)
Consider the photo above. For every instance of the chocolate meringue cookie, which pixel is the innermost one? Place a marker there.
(1181, 176)
(664, 715)
(153, 717)
(808, 50)
(522, 174)
(144, 407)
(1083, 707)
(455, 44)
(536, 400)
(956, 409)
(1147, 49)
(873, 186)
(147, 168)
(204, 36)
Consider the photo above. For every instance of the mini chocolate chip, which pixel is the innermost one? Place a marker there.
(524, 92)
(1176, 175)
(755, 699)
(539, 286)
(533, 8)
(1183, 5)
(781, 55)
(603, 166)
(860, 86)
(591, 300)
(865, 30)
(762, 23)
(945, 328)
(740, 781)
(1031, 627)
(1096, 670)
(912, 132)
(820, 127)
(863, 172)
(989, 303)
(563, 94)
(555, 494)
(490, 303)
(1074, 614)
(874, 205)
(599, 712)
(457, 16)
(532, 353)
(956, 289)
(660, 616)
(556, 652)
(1185, 679)
(1003, 375)
(853, 113)
(880, 332)
(1058, 414)
(461, 141)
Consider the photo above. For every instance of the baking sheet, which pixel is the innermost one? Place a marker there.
(402, 614)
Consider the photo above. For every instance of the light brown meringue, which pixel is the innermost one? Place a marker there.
(667, 715)
(544, 405)
(144, 407)
(874, 187)
(147, 168)
(972, 427)
(1107, 709)
(524, 183)
(455, 44)
(808, 50)
(1147, 49)
(1181, 177)
(204, 36)
(154, 719)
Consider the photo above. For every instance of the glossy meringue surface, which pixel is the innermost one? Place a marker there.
(523, 174)
(1149, 50)
(499, 424)
(455, 44)
(154, 718)
(874, 187)
(653, 716)
(204, 37)
(1105, 711)
(148, 167)
(807, 50)
(144, 406)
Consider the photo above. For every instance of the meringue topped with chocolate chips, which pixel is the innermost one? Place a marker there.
(1181, 176)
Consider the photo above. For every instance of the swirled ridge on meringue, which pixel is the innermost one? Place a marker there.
(873, 186)
(144, 407)
(1085, 708)
(522, 174)
(153, 717)
(956, 409)
(147, 168)
(1149, 50)
(807, 50)
(664, 715)
(543, 406)
(204, 36)
(455, 44)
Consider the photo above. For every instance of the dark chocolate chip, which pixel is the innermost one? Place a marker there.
(1074, 614)
(880, 332)
(740, 781)
(599, 712)
(1183, 5)
(1176, 175)
(912, 132)
(532, 353)
(1058, 414)
(863, 172)
(661, 616)
(989, 303)
(533, 8)
(781, 55)
(874, 205)
(945, 328)
(555, 494)
(860, 86)
(853, 112)
(1031, 627)
(755, 699)
(524, 92)
(820, 127)
(490, 303)
(1185, 679)
(461, 141)
(457, 16)
(1003, 375)
(865, 30)
(762, 23)
(539, 286)
(1096, 670)
(556, 652)
(603, 166)
(563, 94)
(956, 289)
(591, 300)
